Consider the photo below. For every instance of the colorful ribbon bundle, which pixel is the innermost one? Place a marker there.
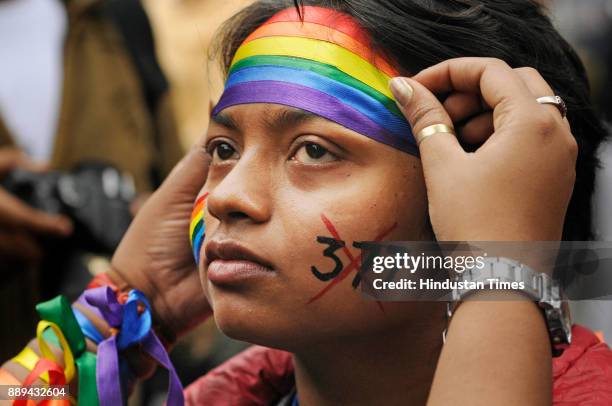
(322, 64)
(58, 319)
(131, 324)
(197, 227)
(102, 378)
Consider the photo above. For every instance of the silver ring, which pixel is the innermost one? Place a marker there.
(555, 101)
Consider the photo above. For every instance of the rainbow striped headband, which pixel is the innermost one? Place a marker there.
(322, 64)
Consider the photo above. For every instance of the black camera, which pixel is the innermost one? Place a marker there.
(96, 197)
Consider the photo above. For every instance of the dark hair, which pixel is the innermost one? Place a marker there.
(416, 34)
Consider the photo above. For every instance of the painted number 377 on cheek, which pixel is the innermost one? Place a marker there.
(339, 272)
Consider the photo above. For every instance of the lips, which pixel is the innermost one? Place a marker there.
(233, 251)
(230, 263)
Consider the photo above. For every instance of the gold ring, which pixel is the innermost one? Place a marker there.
(434, 129)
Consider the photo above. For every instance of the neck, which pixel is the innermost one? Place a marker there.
(393, 367)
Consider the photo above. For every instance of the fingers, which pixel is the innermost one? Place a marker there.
(492, 78)
(11, 158)
(477, 83)
(549, 113)
(478, 129)
(16, 214)
(472, 117)
(189, 175)
(138, 202)
(16, 245)
(534, 82)
(538, 87)
(500, 87)
(463, 106)
(422, 110)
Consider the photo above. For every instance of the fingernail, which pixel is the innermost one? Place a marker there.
(401, 90)
(64, 226)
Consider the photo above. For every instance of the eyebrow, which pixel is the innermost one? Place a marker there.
(288, 118)
(277, 121)
(225, 120)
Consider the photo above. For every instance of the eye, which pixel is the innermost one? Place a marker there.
(311, 152)
(222, 151)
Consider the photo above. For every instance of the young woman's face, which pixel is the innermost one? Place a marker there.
(284, 188)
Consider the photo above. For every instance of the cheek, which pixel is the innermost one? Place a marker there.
(367, 207)
(406, 198)
(322, 258)
(321, 228)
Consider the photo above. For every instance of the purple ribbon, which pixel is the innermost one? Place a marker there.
(132, 328)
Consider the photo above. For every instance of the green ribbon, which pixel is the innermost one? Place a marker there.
(58, 311)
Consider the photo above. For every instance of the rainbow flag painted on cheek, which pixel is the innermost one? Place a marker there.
(197, 227)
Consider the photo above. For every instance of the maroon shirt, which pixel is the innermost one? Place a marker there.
(262, 376)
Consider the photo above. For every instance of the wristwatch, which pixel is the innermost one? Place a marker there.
(541, 288)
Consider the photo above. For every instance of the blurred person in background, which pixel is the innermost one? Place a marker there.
(79, 83)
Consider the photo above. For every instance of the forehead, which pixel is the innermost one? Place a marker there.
(267, 116)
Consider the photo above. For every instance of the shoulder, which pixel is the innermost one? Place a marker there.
(582, 375)
(256, 376)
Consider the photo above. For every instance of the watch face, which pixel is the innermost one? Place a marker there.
(559, 325)
(566, 319)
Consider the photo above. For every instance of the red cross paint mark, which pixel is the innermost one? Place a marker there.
(355, 262)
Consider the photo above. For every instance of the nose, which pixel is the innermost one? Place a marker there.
(244, 194)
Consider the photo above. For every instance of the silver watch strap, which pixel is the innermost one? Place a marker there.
(539, 287)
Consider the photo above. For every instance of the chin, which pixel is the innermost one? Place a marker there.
(242, 320)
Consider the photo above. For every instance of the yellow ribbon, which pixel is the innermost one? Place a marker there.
(321, 51)
(27, 358)
(69, 367)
